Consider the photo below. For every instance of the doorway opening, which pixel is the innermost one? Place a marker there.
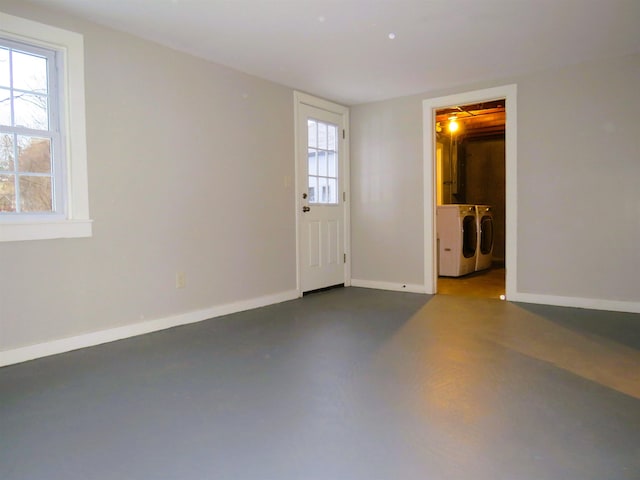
(470, 198)
(457, 192)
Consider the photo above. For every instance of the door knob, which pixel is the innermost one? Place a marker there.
(305, 209)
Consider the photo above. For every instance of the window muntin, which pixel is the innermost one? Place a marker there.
(30, 170)
(322, 162)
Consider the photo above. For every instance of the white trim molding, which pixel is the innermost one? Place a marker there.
(68, 344)
(16, 231)
(577, 302)
(508, 92)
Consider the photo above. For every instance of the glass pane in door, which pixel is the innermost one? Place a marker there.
(323, 162)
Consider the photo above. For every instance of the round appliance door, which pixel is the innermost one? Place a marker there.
(486, 234)
(469, 236)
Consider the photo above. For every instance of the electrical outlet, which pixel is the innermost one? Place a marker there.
(181, 280)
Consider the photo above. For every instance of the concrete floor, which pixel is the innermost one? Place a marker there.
(345, 384)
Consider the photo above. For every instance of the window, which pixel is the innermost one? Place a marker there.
(43, 181)
(323, 162)
(30, 164)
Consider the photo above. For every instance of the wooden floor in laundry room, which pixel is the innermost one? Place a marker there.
(488, 283)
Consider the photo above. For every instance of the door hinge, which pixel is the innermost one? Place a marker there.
(344, 196)
(344, 257)
(343, 134)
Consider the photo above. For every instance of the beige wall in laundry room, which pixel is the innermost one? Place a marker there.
(485, 184)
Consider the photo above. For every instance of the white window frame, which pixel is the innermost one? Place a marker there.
(76, 221)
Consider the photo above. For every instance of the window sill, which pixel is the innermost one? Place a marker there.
(45, 230)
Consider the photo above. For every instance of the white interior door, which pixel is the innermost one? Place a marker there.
(321, 189)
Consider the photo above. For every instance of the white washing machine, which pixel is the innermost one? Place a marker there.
(484, 255)
(457, 239)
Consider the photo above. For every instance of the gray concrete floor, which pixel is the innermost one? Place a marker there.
(345, 384)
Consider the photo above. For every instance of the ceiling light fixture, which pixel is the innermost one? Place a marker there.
(392, 36)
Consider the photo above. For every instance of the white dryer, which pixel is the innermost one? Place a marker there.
(484, 216)
(457, 239)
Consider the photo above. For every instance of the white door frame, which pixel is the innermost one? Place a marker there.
(429, 106)
(300, 98)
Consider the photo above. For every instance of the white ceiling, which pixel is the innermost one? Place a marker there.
(339, 49)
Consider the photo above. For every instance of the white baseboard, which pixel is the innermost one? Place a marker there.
(396, 287)
(54, 347)
(576, 302)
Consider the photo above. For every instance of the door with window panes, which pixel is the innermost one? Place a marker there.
(322, 209)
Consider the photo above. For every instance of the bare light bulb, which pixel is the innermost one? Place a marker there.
(453, 125)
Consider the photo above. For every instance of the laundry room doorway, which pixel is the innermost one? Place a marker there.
(470, 164)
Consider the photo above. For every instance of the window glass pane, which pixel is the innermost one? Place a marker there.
(7, 152)
(322, 190)
(29, 72)
(4, 67)
(333, 190)
(5, 107)
(313, 189)
(333, 136)
(35, 194)
(313, 163)
(30, 111)
(313, 133)
(34, 154)
(322, 164)
(322, 135)
(7, 193)
(331, 164)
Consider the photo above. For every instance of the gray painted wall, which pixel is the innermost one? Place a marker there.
(578, 172)
(386, 192)
(578, 195)
(185, 174)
